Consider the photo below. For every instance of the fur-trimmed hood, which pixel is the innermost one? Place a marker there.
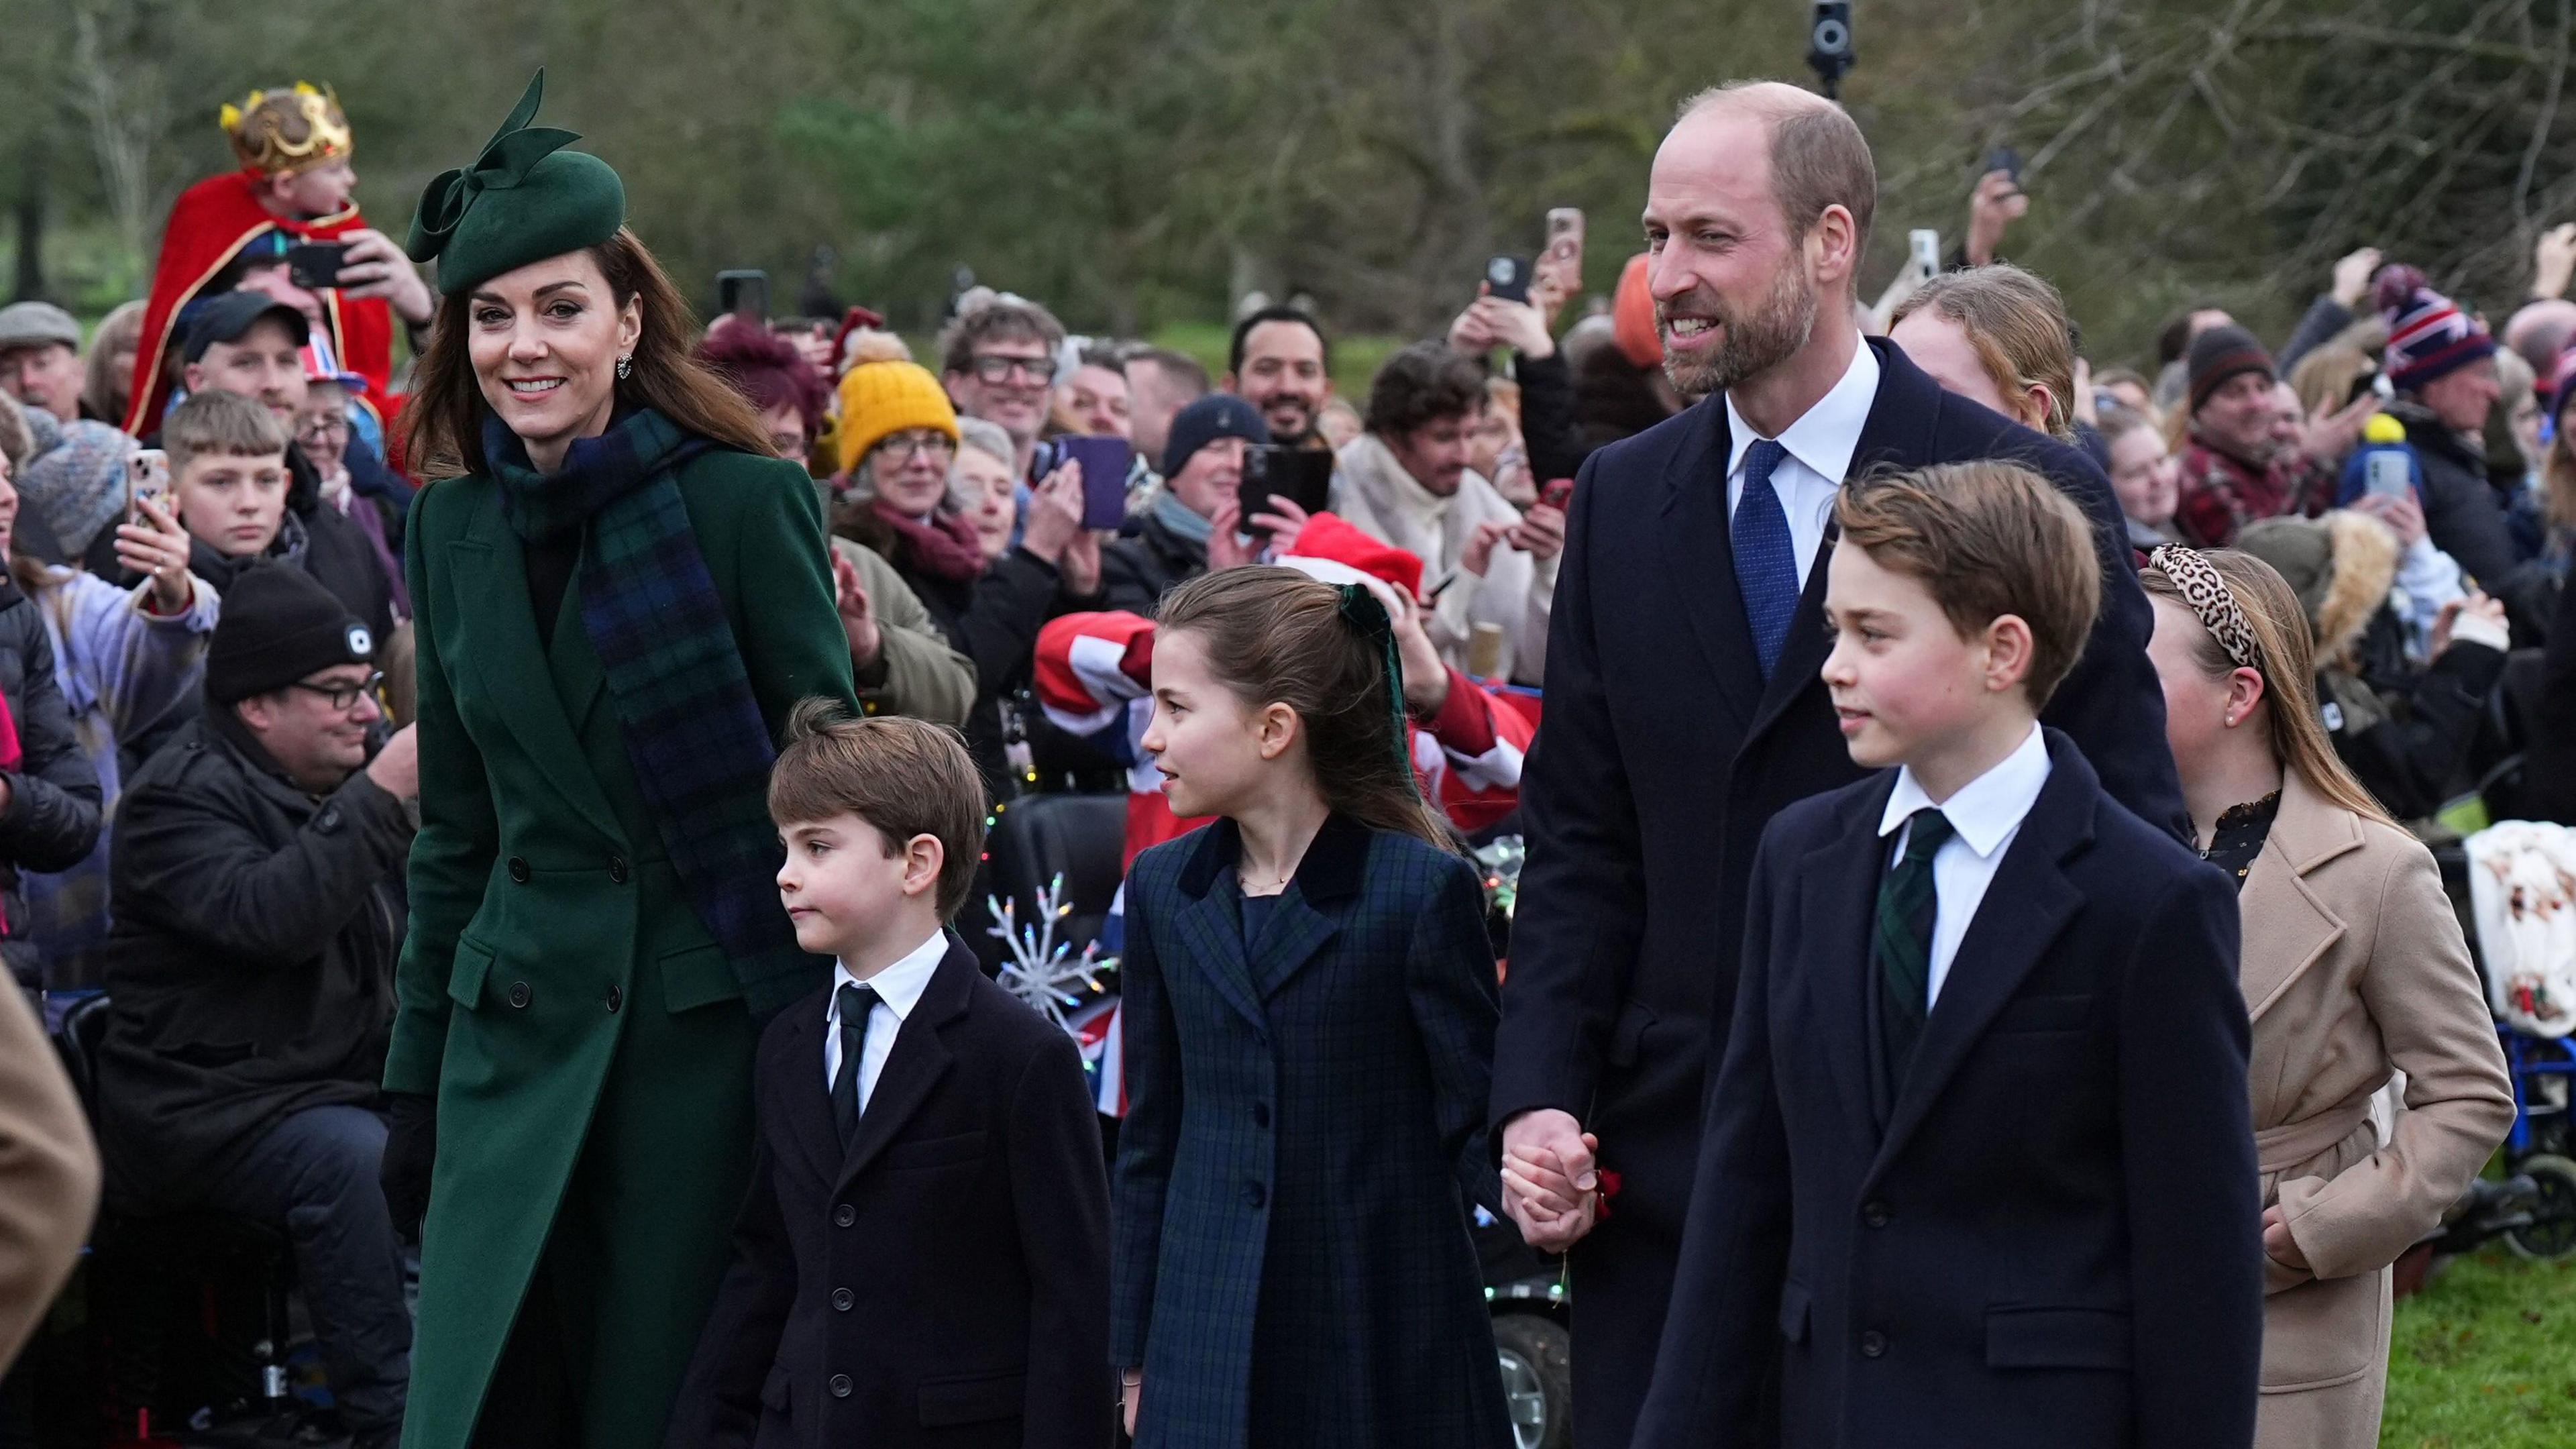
(2341, 566)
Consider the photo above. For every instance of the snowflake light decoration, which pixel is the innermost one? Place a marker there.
(1041, 970)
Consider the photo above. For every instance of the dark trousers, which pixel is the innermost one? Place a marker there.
(316, 1173)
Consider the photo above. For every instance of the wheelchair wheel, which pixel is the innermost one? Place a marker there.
(2552, 1233)
(1538, 1375)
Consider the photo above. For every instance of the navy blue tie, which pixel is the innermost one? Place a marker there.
(1766, 562)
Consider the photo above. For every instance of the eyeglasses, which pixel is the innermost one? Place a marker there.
(903, 448)
(321, 429)
(993, 369)
(343, 697)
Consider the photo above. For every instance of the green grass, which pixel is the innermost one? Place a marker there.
(2485, 1358)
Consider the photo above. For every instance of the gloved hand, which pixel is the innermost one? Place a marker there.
(411, 1146)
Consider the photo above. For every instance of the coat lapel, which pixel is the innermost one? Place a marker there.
(1331, 871)
(2287, 927)
(1899, 429)
(808, 1101)
(2029, 901)
(1839, 886)
(579, 680)
(1699, 557)
(1210, 927)
(500, 645)
(916, 1064)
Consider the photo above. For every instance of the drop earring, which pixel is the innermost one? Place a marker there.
(625, 365)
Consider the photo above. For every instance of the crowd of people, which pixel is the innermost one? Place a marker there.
(517, 803)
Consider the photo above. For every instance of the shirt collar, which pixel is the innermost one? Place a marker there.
(1825, 436)
(899, 986)
(1987, 808)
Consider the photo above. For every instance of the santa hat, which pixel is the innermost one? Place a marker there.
(2428, 335)
(1328, 539)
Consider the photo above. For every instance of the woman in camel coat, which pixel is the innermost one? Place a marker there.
(2353, 970)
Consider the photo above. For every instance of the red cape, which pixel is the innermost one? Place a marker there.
(213, 220)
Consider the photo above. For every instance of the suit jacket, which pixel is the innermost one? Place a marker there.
(1663, 754)
(2354, 966)
(1303, 1142)
(945, 1281)
(556, 991)
(2055, 1239)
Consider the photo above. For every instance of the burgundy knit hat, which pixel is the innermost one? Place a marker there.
(2221, 353)
(2428, 335)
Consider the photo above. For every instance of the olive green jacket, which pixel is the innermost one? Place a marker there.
(585, 1038)
(916, 673)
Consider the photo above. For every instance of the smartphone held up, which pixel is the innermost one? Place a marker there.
(147, 475)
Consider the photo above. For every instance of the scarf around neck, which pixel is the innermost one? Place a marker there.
(942, 545)
(693, 728)
(1180, 520)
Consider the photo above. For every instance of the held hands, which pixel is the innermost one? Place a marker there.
(1131, 1391)
(155, 546)
(1995, 205)
(374, 267)
(858, 614)
(1550, 1179)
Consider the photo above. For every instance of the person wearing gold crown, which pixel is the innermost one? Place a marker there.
(294, 184)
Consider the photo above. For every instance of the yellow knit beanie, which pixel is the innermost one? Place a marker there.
(878, 398)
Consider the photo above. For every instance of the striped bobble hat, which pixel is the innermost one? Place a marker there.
(2428, 334)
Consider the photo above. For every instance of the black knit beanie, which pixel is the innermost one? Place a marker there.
(2221, 353)
(280, 625)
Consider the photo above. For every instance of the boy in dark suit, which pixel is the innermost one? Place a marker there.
(1976, 1169)
(924, 1256)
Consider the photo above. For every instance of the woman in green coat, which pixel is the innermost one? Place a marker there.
(621, 595)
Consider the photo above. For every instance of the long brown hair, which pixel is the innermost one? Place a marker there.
(2286, 658)
(446, 410)
(1275, 636)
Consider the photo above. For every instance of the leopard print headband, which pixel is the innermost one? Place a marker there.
(2210, 601)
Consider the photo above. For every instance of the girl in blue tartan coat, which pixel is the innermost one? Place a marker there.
(1310, 1006)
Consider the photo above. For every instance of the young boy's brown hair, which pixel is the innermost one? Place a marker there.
(1986, 538)
(906, 777)
(211, 422)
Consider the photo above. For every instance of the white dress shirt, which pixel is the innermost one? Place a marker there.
(1820, 443)
(1985, 814)
(898, 988)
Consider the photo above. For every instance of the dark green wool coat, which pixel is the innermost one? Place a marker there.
(586, 1040)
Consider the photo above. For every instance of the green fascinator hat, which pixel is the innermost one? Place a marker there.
(523, 200)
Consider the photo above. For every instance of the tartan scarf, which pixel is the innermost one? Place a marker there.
(684, 703)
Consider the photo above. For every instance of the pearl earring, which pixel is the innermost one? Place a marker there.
(625, 365)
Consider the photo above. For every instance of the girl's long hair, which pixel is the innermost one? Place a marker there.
(446, 410)
(1275, 636)
(2285, 655)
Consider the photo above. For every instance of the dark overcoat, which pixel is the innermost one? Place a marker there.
(1303, 1147)
(2050, 1235)
(1664, 754)
(942, 1281)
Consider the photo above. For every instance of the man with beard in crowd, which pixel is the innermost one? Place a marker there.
(1687, 637)
(1280, 363)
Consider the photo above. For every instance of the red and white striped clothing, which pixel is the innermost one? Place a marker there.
(1095, 679)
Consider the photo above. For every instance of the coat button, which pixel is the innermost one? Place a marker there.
(617, 869)
(844, 1215)
(1255, 1194)
(840, 1386)
(518, 870)
(1873, 1344)
(1260, 1114)
(616, 998)
(842, 1298)
(1874, 1213)
(520, 994)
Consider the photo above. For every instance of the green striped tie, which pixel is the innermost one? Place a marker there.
(1902, 942)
